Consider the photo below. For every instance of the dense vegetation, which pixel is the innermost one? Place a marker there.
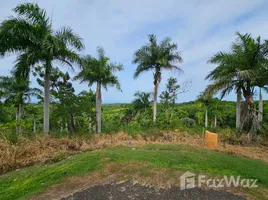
(60, 110)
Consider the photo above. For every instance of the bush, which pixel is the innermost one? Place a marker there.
(188, 122)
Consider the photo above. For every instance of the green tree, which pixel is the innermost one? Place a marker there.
(16, 91)
(169, 96)
(142, 104)
(236, 71)
(100, 71)
(261, 81)
(87, 104)
(32, 36)
(157, 57)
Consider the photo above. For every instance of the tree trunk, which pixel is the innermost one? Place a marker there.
(98, 107)
(17, 120)
(260, 114)
(90, 125)
(72, 125)
(34, 128)
(215, 122)
(46, 104)
(166, 112)
(246, 114)
(238, 109)
(171, 116)
(155, 101)
(66, 127)
(61, 126)
(206, 119)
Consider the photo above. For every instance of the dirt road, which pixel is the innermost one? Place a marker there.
(127, 190)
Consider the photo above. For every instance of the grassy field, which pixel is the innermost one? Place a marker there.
(35, 179)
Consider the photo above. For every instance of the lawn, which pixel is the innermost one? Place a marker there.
(23, 183)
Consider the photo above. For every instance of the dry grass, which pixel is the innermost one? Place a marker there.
(46, 149)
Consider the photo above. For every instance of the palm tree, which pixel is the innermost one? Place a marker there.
(261, 82)
(226, 80)
(31, 36)
(157, 57)
(237, 71)
(100, 71)
(142, 102)
(17, 91)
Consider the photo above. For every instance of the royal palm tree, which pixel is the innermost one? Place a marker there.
(17, 91)
(236, 71)
(261, 81)
(31, 35)
(100, 71)
(157, 57)
(225, 80)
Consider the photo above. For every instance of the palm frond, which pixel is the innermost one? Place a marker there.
(34, 14)
(68, 37)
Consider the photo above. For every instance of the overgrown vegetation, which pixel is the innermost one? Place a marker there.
(32, 180)
(31, 37)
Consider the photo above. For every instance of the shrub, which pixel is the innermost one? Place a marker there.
(188, 122)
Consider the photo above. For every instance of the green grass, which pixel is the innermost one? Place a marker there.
(28, 181)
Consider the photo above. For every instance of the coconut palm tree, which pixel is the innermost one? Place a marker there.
(157, 57)
(17, 91)
(100, 71)
(236, 71)
(32, 37)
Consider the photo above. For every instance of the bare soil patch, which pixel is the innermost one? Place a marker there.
(128, 190)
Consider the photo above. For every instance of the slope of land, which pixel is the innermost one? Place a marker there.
(159, 166)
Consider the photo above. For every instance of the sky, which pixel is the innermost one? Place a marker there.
(201, 28)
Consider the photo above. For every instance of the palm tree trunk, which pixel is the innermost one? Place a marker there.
(98, 107)
(238, 109)
(17, 120)
(155, 101)
(72, 125)
(206, 119)
(215, 122)
(46, 104)
(90, 125)
(61, 125)
(260, 115)
(66, 127)
(34, 128)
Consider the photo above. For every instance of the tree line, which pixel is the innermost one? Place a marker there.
(38, 47)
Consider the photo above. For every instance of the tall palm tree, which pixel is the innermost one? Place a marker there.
(100, 71)
(261, 81)
(225, 80)
(157, 57)
(31, 35)
(237, 71)
(17, 91)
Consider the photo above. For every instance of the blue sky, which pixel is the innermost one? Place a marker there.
(199, 27)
